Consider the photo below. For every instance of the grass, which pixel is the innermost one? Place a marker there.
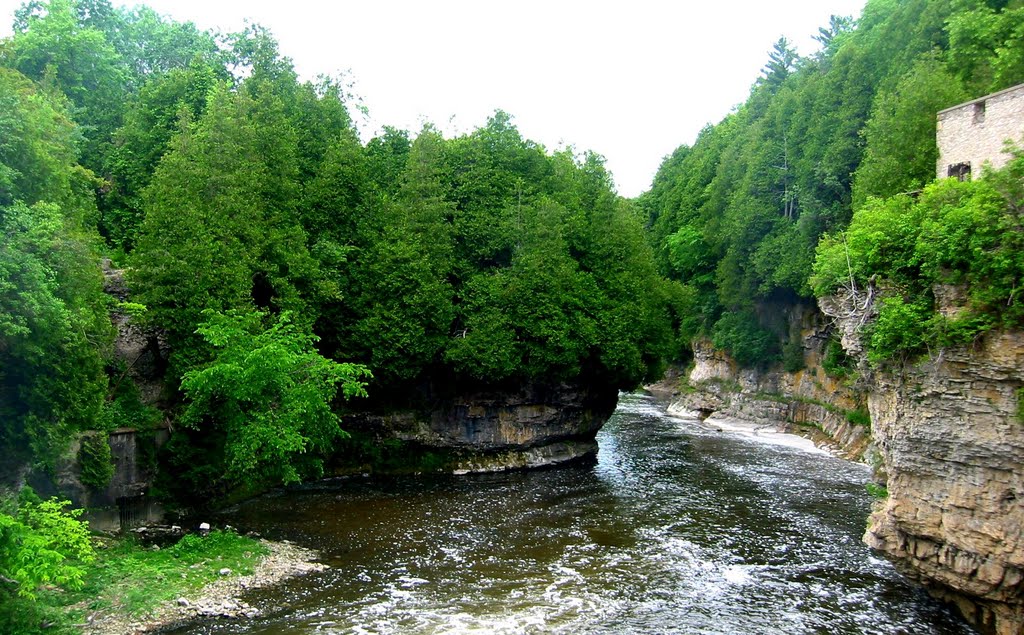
(878, 492)
(129, 578)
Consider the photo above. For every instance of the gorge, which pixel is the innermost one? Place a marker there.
(220, 292)
(945, 441)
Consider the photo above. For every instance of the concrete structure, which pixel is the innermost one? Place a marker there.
(973, 133)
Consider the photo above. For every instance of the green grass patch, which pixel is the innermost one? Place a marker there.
(723, 385)
(132, 579)
(878, 492)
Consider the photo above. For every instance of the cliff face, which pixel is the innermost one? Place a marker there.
(946, 434)
(808, 401)
(953, 448)
(141, 351)
(531, 426)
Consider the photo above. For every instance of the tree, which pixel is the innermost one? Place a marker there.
(829, 37)
(407, 310)
(782, 60)
(54, 328)
(57, 48)
(985, 45)
(741, 335)
(221, 230)
(269, 393)
(165, 104)
(901, 153)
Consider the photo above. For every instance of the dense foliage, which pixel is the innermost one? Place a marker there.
(54, 328)
(962, 238)
(265, 241)
(737, 216)
(41, 542)
(269, 393)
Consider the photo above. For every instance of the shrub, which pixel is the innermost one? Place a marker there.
(793, 355)
(126, 410)
(42, 542)
(963, 233)
(879, 492)
(901, 329)
(836, 362)
(859, 417)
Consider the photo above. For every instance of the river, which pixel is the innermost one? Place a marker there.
(674, 528)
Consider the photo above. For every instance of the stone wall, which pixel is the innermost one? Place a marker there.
(974, 132)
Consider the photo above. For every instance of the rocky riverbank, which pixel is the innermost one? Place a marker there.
(829, 409)
(944, 433)
(222, 598)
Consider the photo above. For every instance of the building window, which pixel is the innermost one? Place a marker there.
(979, 112)
(961, 171)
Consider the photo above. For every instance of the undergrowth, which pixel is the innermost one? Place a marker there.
(128, 578)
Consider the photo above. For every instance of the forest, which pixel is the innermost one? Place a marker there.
(295, 269)
(822, 181)
(266, 241)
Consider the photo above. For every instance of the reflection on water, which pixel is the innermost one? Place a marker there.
(673, 529)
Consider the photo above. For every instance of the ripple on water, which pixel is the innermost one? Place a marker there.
(675, 529)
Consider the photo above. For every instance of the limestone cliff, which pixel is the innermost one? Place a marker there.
(952, 444)
(809, 401)
(526, 426)
(946, 437)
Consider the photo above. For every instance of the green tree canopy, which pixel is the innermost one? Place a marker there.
(269, 394)
(54, 328)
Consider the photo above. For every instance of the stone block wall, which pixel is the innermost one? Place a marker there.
(972, 133)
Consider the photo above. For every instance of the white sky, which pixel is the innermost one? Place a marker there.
(629, 79)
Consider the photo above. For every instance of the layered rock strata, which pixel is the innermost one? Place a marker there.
(946, 437)
(529, 426)
(808, 402)
(952, 442)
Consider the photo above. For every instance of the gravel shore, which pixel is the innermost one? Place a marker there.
(221, 598)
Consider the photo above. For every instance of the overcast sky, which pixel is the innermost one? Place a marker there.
(630, 79)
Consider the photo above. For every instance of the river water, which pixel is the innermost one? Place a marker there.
(674, 528)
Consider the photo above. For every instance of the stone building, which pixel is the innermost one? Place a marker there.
(973, 133)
